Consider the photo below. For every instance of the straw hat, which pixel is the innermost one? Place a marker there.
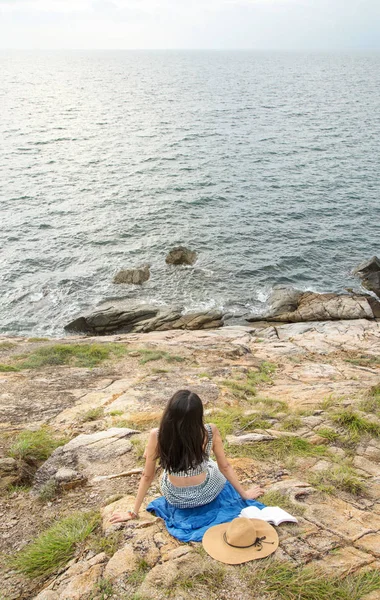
(240, 541)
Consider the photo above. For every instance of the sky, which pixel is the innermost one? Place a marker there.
(193, 24)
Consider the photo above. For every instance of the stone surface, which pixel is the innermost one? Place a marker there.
(123, 505)
(124, 561)
(76, 459)
(370, 543)
(47, 595)
(311, 306)
(164, 575)
(133, 276)
(127, 316)
(342, 518)
(367, 466)
(344, 561)
(181, 256)
(81, 586)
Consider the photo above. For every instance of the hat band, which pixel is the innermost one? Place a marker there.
(259, 541)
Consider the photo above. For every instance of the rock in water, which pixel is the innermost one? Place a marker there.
(310, 306)
(133, 276)
(127, 317)
(369, 273)
(181, 256)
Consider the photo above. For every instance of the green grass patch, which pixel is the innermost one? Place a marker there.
(277, 449)
(139, 449)
(49, 491)
(355, 424)
(103, 590)
(5, 346)
(232, 420)
(109, 543)
(38, 339)
(53, 548)
(78, 355)
(287, 582)
(342, 478)
(93, 414)
(212, 577)
(205, 375)
(329, 434)
(18, 489)
(371, 404)
(364, 360)
(263, 374)
(8, 368)
(152, 355)
(116, 413)
(244, 391)
(291, 423)
(274, 498)
(35, 445)
(139, 574)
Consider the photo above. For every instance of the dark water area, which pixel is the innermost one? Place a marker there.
(267, 164)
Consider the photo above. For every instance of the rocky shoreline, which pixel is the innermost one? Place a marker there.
(286, 305)
(298, 405)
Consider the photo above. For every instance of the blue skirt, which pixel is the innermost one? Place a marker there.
(190, 524)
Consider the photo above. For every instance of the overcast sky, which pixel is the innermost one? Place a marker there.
(219, 24)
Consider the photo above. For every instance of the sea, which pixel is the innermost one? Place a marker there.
(265, 163)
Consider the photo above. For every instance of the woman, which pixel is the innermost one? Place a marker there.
(183, 444)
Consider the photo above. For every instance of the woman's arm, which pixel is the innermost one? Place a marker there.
(228, 471)
(145, 481)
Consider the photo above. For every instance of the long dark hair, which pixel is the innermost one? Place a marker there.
(182, 435)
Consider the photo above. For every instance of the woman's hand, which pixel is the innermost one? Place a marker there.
(253, 493)
(120, 517)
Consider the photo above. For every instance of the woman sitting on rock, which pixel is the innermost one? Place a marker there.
(183, 444)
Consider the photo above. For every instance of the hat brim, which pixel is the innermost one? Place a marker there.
(215, 545)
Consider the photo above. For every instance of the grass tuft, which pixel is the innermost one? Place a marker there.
(328, 433)
(93, 414)
(8, 368)
(274, 498)
(277, 449)
(79, 355)
(49, 491)
(342, 478)
(105, 543)
(103, 590)
(364, 360)
(291, 423)
(355, 424)
(213, 573)
(371, 404)
(263, 374)
(35, 445)
(4, 346)
(151, 355)
(287, 582)
(139, 574)
(233, 421)
(140, 420)
(53, 548)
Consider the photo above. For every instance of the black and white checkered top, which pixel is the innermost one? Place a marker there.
(195, 495)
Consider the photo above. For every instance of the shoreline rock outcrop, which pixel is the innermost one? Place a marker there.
(294, 306)
(129, 317)
(369, 273)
